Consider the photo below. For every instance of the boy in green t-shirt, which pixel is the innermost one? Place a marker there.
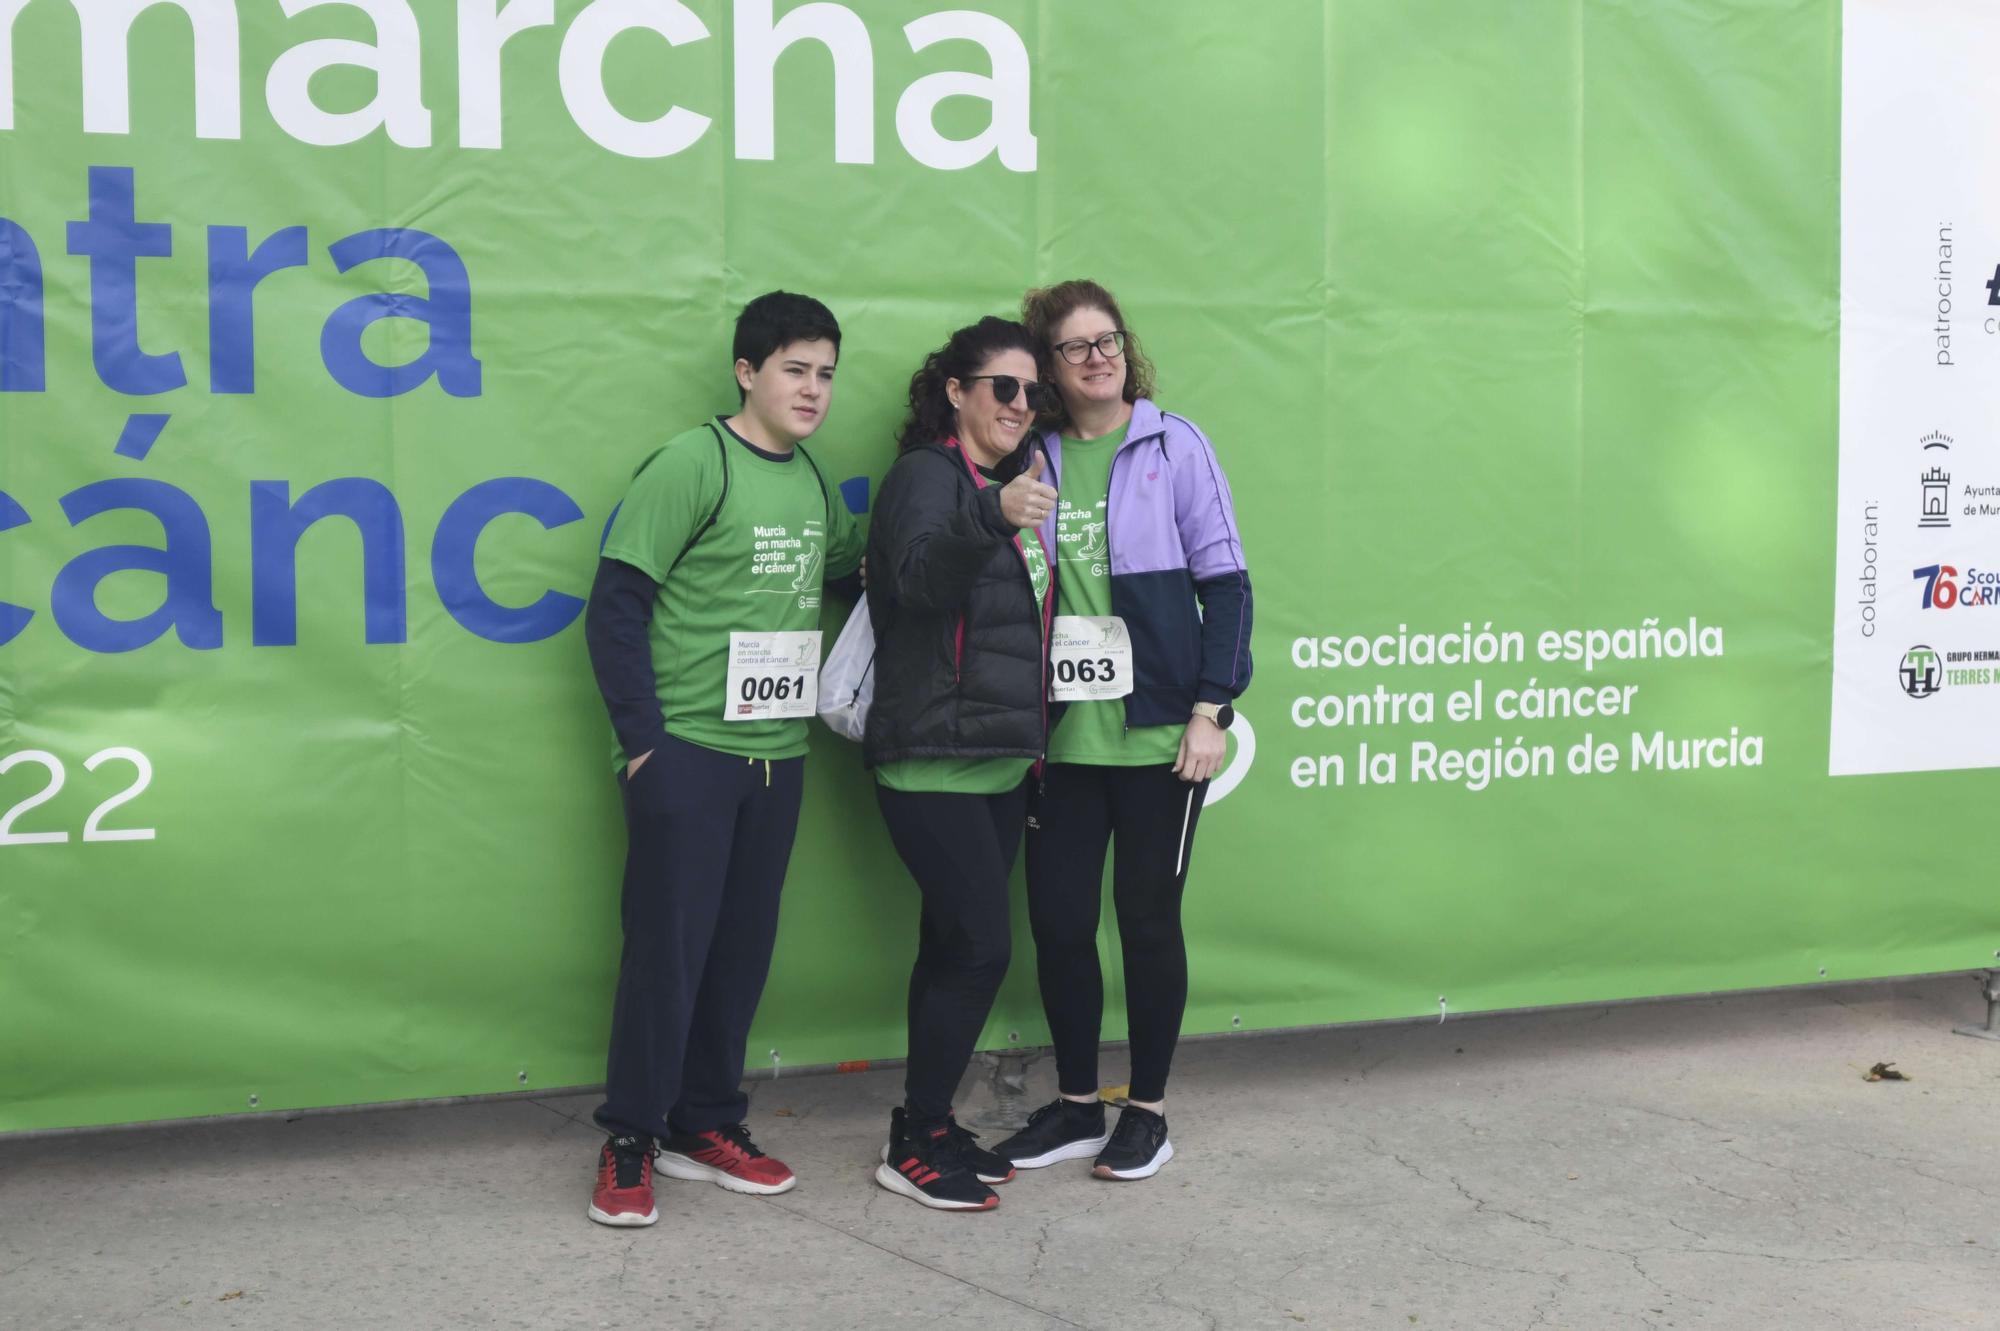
(704, 635)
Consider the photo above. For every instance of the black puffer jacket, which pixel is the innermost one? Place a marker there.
(960, 655)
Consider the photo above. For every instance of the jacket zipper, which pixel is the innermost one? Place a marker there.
(958, 631)
(1040, 767)
(1047, 606)
(1110, 483)
(1020, 548)
(1125, 711)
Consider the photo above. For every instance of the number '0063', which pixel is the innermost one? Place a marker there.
(93, 827)
(1087, 671)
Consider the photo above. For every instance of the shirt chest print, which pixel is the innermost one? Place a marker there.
(1082, 536)
(782, 564)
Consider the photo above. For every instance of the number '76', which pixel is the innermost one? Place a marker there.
(1940, 591)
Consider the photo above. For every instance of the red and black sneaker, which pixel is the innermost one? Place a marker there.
(726, 1157)
(989, 1166)
(624, 1193)
(986, 1166)
(929, 1167)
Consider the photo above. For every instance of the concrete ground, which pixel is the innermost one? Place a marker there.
(1707, 1163)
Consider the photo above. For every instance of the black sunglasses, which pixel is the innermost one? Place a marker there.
(1006, 386)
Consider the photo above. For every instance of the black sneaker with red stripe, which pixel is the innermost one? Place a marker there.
(986, 1166)
(928, 1165)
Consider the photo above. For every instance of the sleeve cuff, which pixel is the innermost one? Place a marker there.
(644, 563)
(989, 513)
(646, 743)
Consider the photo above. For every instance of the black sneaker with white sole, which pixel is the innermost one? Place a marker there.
(989, 1166)
(1060, 1130)
(986, 1166)
(929, 1167)
(1138, 1146)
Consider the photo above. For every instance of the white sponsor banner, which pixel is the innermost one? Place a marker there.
(1916, 623)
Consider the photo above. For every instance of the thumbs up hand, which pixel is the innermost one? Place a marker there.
(1025, 501)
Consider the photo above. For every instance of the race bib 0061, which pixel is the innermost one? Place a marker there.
(772, 676)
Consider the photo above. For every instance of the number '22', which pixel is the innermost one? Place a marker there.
(93, 827)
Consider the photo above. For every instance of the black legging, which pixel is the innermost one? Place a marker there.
(1152, 814)
(961, 851)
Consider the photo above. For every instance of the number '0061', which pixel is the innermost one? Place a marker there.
(93, 827)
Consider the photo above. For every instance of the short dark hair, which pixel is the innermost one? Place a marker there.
(778, 319)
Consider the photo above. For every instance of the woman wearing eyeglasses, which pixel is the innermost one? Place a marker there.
(1151, 645)
(959, 593)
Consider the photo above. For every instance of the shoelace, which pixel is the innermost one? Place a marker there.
(628, 1159)
(945, 1153)
(1038, 1116)
(1133, 1134)
(1053, 1107)
(970, 1150)
(739, 1134)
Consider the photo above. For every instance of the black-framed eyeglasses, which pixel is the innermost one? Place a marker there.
(1110, 345)
(1007, 387)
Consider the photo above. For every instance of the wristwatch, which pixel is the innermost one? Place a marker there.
(1222, 714)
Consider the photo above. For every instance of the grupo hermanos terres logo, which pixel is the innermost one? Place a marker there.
(1969, 665)
(1921, 672)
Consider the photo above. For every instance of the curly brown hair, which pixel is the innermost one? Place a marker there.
(1043, 311)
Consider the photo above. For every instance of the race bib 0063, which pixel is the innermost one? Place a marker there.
(1090, 657)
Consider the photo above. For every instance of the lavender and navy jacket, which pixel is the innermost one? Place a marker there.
(1173, 541)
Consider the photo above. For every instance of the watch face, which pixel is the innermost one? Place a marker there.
(1225, 716)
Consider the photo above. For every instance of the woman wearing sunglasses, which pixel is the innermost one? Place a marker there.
(1151, 647)
(959, 594)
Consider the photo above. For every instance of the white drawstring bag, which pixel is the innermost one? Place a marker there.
(847, 676)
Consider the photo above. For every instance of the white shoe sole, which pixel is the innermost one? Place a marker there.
(679, 1166)
(1147, 1170)
(624, 1219)
(1076, 1150)
(988, 1180)
(896, 1183)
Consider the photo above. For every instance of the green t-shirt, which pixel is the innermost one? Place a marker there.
(973, 776)
(760, 569)
(1095, 732)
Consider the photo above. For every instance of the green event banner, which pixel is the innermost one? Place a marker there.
(330, 331)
